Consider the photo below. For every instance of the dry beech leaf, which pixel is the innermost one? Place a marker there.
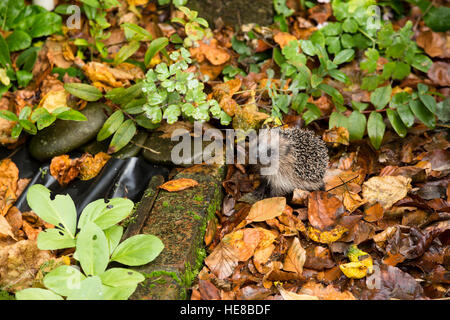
(337, 136)
(178, 184)
(352, 201)
(374, 213)
(5, 228)
(90, 166)
(386, 190)
(325, 293)
(289, 295)
(214, 53)
(9, 176)
(64, 169)
(324, 210)
(266, 209)
(295, 257)
(222, 260)
(283, 38)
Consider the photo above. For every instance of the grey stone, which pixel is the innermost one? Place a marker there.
(64, 136)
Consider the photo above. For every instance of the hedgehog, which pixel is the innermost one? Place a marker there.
(303, 160)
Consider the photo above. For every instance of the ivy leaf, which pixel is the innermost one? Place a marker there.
(381, 96)
(375, 129)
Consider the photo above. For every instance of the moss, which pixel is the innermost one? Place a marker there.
(165, 204)
(4, 295)
(198, 198)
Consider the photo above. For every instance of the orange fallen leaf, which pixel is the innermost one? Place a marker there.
(266, 209)
(283, 38)
(9, 176)
(295, 258)
(64, 169)
(374, 213)
(90, 166)
(178, 184)
(337, 136)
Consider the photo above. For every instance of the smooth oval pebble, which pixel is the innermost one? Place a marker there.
(64, 136)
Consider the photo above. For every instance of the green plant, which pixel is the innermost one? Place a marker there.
(31, 121)
(293, 65)
(401, 52)
(95, 11)
(437, 18)
(171, 92)
(176, 3)
(196, 28)
(97, 244)
(22, 23)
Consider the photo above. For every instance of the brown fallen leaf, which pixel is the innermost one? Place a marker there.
(324, 210)
(439, 73)
(337, 136)
(20, 263)
(211, 50)
(222, 260)
(295, 257)
(178, 184)
(266, 209)
(289, 295)
(5, 228)
(9, 176)
(435, 44)
(64, 169)
(352, 201)
(90, 166)
(373, 213)
(386, 190)
(325, 293)
(283, 38)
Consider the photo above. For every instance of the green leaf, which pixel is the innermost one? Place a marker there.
(344, 56)
(401, 70)
(61, 210)
(339, 75)
(422, 113)
(337, 120)
(126, 51)
(375, 129)
(356, 125)
(18, 40)
(5, 59)
(37, 294)
(92, 249)
(138, 250)
(281, 8)
(381, 96)
(118, 293)
(8, 115)
(335, 95)
(396, 122)
(422, 62)
(308, 47)
(90, 289)
(111, 125)
(122, 136)
(105, 214)
(64, 280)
(299, 102)
(23, 78)
(72, 115)
(154, 47)
(83, 91)
(54, 239)
(133, 31)
(428, 101)
(113, 235)
(360, 106)
(121, 277)
(313, 113)
(350, 25)
(438, 18)
(406, 115)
